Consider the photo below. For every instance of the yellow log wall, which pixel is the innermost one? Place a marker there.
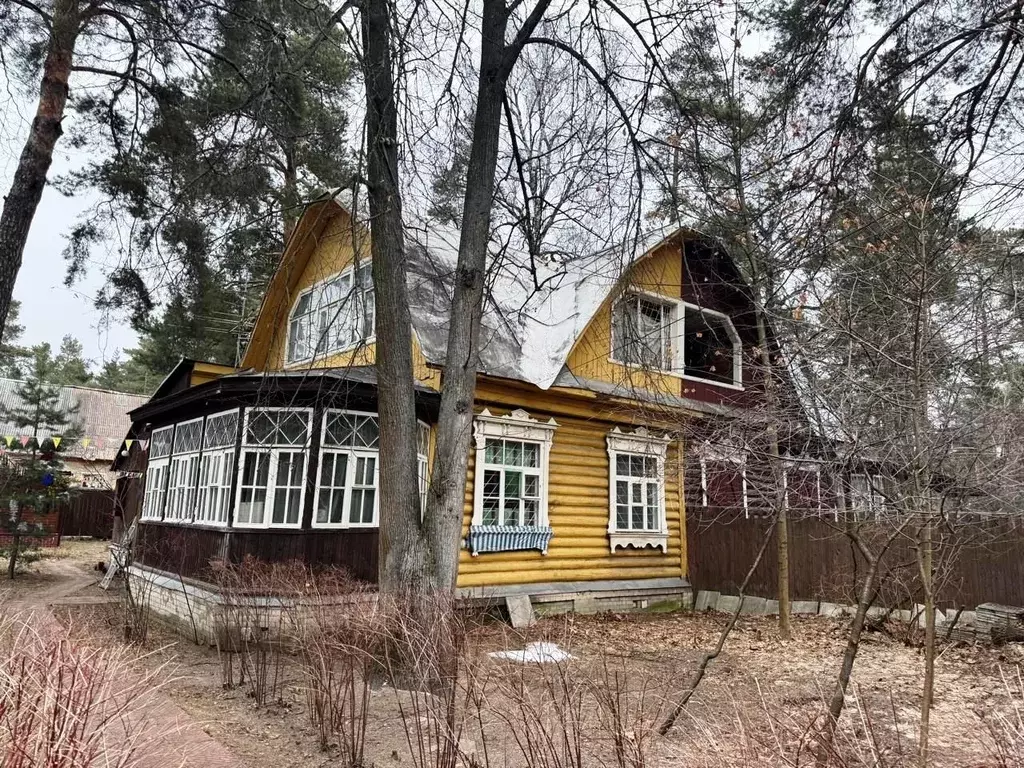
(577, 503)
(659, 273)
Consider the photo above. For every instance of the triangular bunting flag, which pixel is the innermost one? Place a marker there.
(9, 439)
(56, 440)
(24, 440)
(85, 441)
(128, 443)
(144, 445)
(100, 443)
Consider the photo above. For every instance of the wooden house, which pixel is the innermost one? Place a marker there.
(575, 494)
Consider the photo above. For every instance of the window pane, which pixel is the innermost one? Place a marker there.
(160, 444)
(337, 506)
(636, 466)
(638, 517)
(259, 428)
(511, 512)
(622, 517)
(530, 512)
(531, 486)
(513, 453)
(622, 464)
(367, 432)
(357, 505)
(493, 452)
(188, 436)
(291, 427)
(531, 455)
(513, 485)
(492, 484)
(652, 506)
(490, 515)
(369, 496)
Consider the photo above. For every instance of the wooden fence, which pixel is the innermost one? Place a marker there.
(89, 512)
(976, 562)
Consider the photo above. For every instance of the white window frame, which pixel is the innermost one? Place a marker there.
(875, 498)
(802, 465)
(328, 349)
(159, 463)
(274, 451)
(641, 443)
(216, 514)
(518, 425)
(423, 435)
(354, 454)
(677, 338)
(723, 455)
(185, 497)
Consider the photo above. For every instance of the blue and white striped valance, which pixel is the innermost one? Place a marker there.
(507, 538)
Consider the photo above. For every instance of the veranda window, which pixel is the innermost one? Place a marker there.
(333, 316)
(216, 468)
(155, 494)
(636, 504)
(272, 468)
(347, 484)
(183, 479)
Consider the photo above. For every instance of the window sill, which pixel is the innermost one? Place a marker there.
(638, 540)
(508, 538)
(320, 357)
(675, 374)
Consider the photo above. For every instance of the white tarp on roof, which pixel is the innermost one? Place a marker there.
(533, 314)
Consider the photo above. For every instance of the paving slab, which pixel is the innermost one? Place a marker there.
(804, 607)
(753, 606)
(707, 600)
(728, 603)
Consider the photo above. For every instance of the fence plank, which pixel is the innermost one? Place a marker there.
(977, 562)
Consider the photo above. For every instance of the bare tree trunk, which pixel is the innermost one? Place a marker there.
(927, 582)
(26, 190)
(451, 455)
(289, 195)
(778, 471)
(402, 552)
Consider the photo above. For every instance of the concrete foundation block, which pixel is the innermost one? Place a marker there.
(904, 614)
(707, 600)
(728, 603)
(832, 610)
(585, 604)
(771, 607)
(877, 612)
(804, 607)
(753, 606)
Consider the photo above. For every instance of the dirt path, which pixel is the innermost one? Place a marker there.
(186, 745)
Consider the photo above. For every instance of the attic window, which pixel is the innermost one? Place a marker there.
(642, 332)
(665, 334)
(333, 316)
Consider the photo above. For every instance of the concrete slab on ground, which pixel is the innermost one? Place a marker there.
(804, 607)
(520, 611)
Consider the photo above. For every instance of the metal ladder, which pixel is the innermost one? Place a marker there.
(119, 555)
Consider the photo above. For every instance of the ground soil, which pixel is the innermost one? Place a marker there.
(756, 705)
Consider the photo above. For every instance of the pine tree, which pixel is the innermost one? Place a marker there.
(12, 355)
(34, 479)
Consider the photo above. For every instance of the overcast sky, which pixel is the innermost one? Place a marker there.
(49, 310)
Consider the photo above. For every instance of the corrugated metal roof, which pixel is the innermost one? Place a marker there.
(102, 416)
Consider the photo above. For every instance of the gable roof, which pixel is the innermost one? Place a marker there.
(533, 313)
(102, 416)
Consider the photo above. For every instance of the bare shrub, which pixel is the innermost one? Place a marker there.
(137, 598)
(1006, 728)
(424, 656)
(65, 702)
(259, 614)
(339, 643)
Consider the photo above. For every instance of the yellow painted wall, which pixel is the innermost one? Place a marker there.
(659, 273)
(577, 502)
